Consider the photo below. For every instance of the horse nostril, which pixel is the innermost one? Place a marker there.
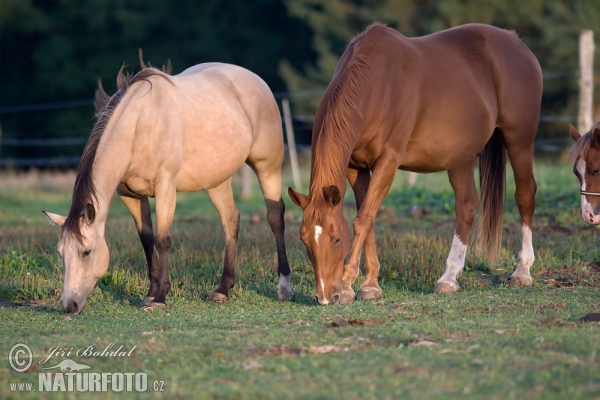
(316, 298)
(72, 307)
(335, 299)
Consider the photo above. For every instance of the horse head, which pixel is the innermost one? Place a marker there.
(84, 254)
(586, 158)
(326, 235)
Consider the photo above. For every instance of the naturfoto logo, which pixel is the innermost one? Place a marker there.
(67, 375)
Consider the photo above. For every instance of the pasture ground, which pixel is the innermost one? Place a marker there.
(487, 341)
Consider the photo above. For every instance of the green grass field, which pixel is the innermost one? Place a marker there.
(489, 340)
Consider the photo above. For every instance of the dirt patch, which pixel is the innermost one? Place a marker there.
(593, 317)
(569, 276)
(30, 304)
(355, 322)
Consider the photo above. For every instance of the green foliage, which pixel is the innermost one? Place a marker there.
(550, 29)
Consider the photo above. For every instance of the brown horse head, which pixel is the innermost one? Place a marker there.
(326, 235)
(586, 166)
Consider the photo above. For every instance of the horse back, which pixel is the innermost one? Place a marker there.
(439, 94)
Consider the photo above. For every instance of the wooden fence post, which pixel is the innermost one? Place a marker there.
(585, 118)
(289, 129)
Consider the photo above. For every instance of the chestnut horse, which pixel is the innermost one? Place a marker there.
(585, 155)
(424, 104)
(160, 134)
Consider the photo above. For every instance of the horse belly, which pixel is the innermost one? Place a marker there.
(444, 153)
(206, 167)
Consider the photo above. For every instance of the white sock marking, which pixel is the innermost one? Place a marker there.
(318, 231)
(285, 282)
(455, 261)
(586, 207)
(526, 255)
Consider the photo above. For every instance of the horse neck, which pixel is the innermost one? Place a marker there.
(112, 160)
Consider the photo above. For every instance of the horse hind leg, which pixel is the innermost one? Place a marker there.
(269, 177)
(139, 207)
(521, 159)
(222, 199)
(465, 192)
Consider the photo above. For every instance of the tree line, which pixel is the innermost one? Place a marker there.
(56, 50)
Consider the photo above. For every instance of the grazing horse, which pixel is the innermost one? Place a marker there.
(585, 155)
(159, 134)
(424, 104)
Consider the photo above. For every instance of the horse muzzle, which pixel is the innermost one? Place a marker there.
(73, 304)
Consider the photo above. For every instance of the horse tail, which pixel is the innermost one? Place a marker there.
(492, 178)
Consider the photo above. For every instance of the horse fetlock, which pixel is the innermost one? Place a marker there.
(446, 287)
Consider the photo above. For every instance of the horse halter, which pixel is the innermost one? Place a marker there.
(586, 193)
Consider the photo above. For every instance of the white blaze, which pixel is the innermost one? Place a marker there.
(318, 231)
(586, 207)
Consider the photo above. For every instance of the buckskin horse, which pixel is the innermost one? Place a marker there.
(159, 134)
(585, 155)
(423, 104)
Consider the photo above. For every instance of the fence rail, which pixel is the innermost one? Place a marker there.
(544, 145)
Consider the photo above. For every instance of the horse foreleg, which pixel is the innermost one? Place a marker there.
(166, 197)
(359, 181)
(222, 199)
(466, 199)
(521, 161)
(139, 207)
(381, 181)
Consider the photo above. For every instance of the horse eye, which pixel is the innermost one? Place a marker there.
(336, 241)
(595, 172)
(86, 253)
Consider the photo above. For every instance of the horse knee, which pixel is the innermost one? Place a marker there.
(362, 224)
(162, 244)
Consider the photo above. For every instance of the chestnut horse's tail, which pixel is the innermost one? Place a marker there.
(492, 177)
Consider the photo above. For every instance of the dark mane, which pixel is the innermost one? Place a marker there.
(84, 191)
(337, 134)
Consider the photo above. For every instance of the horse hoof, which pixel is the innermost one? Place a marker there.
(147, 301)
(520, 280)
(347, 297)
(370, 293)
(217, 298)
(446, 287)
(285, 294)
(158, 306)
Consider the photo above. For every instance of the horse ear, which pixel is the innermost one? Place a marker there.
(332, 195)
(574, 133)
(298, 199)
(596, 134)
(101, 98)
(121, 77)
(55, 219)
(89, 214)
(168, 68)
(141, 57)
